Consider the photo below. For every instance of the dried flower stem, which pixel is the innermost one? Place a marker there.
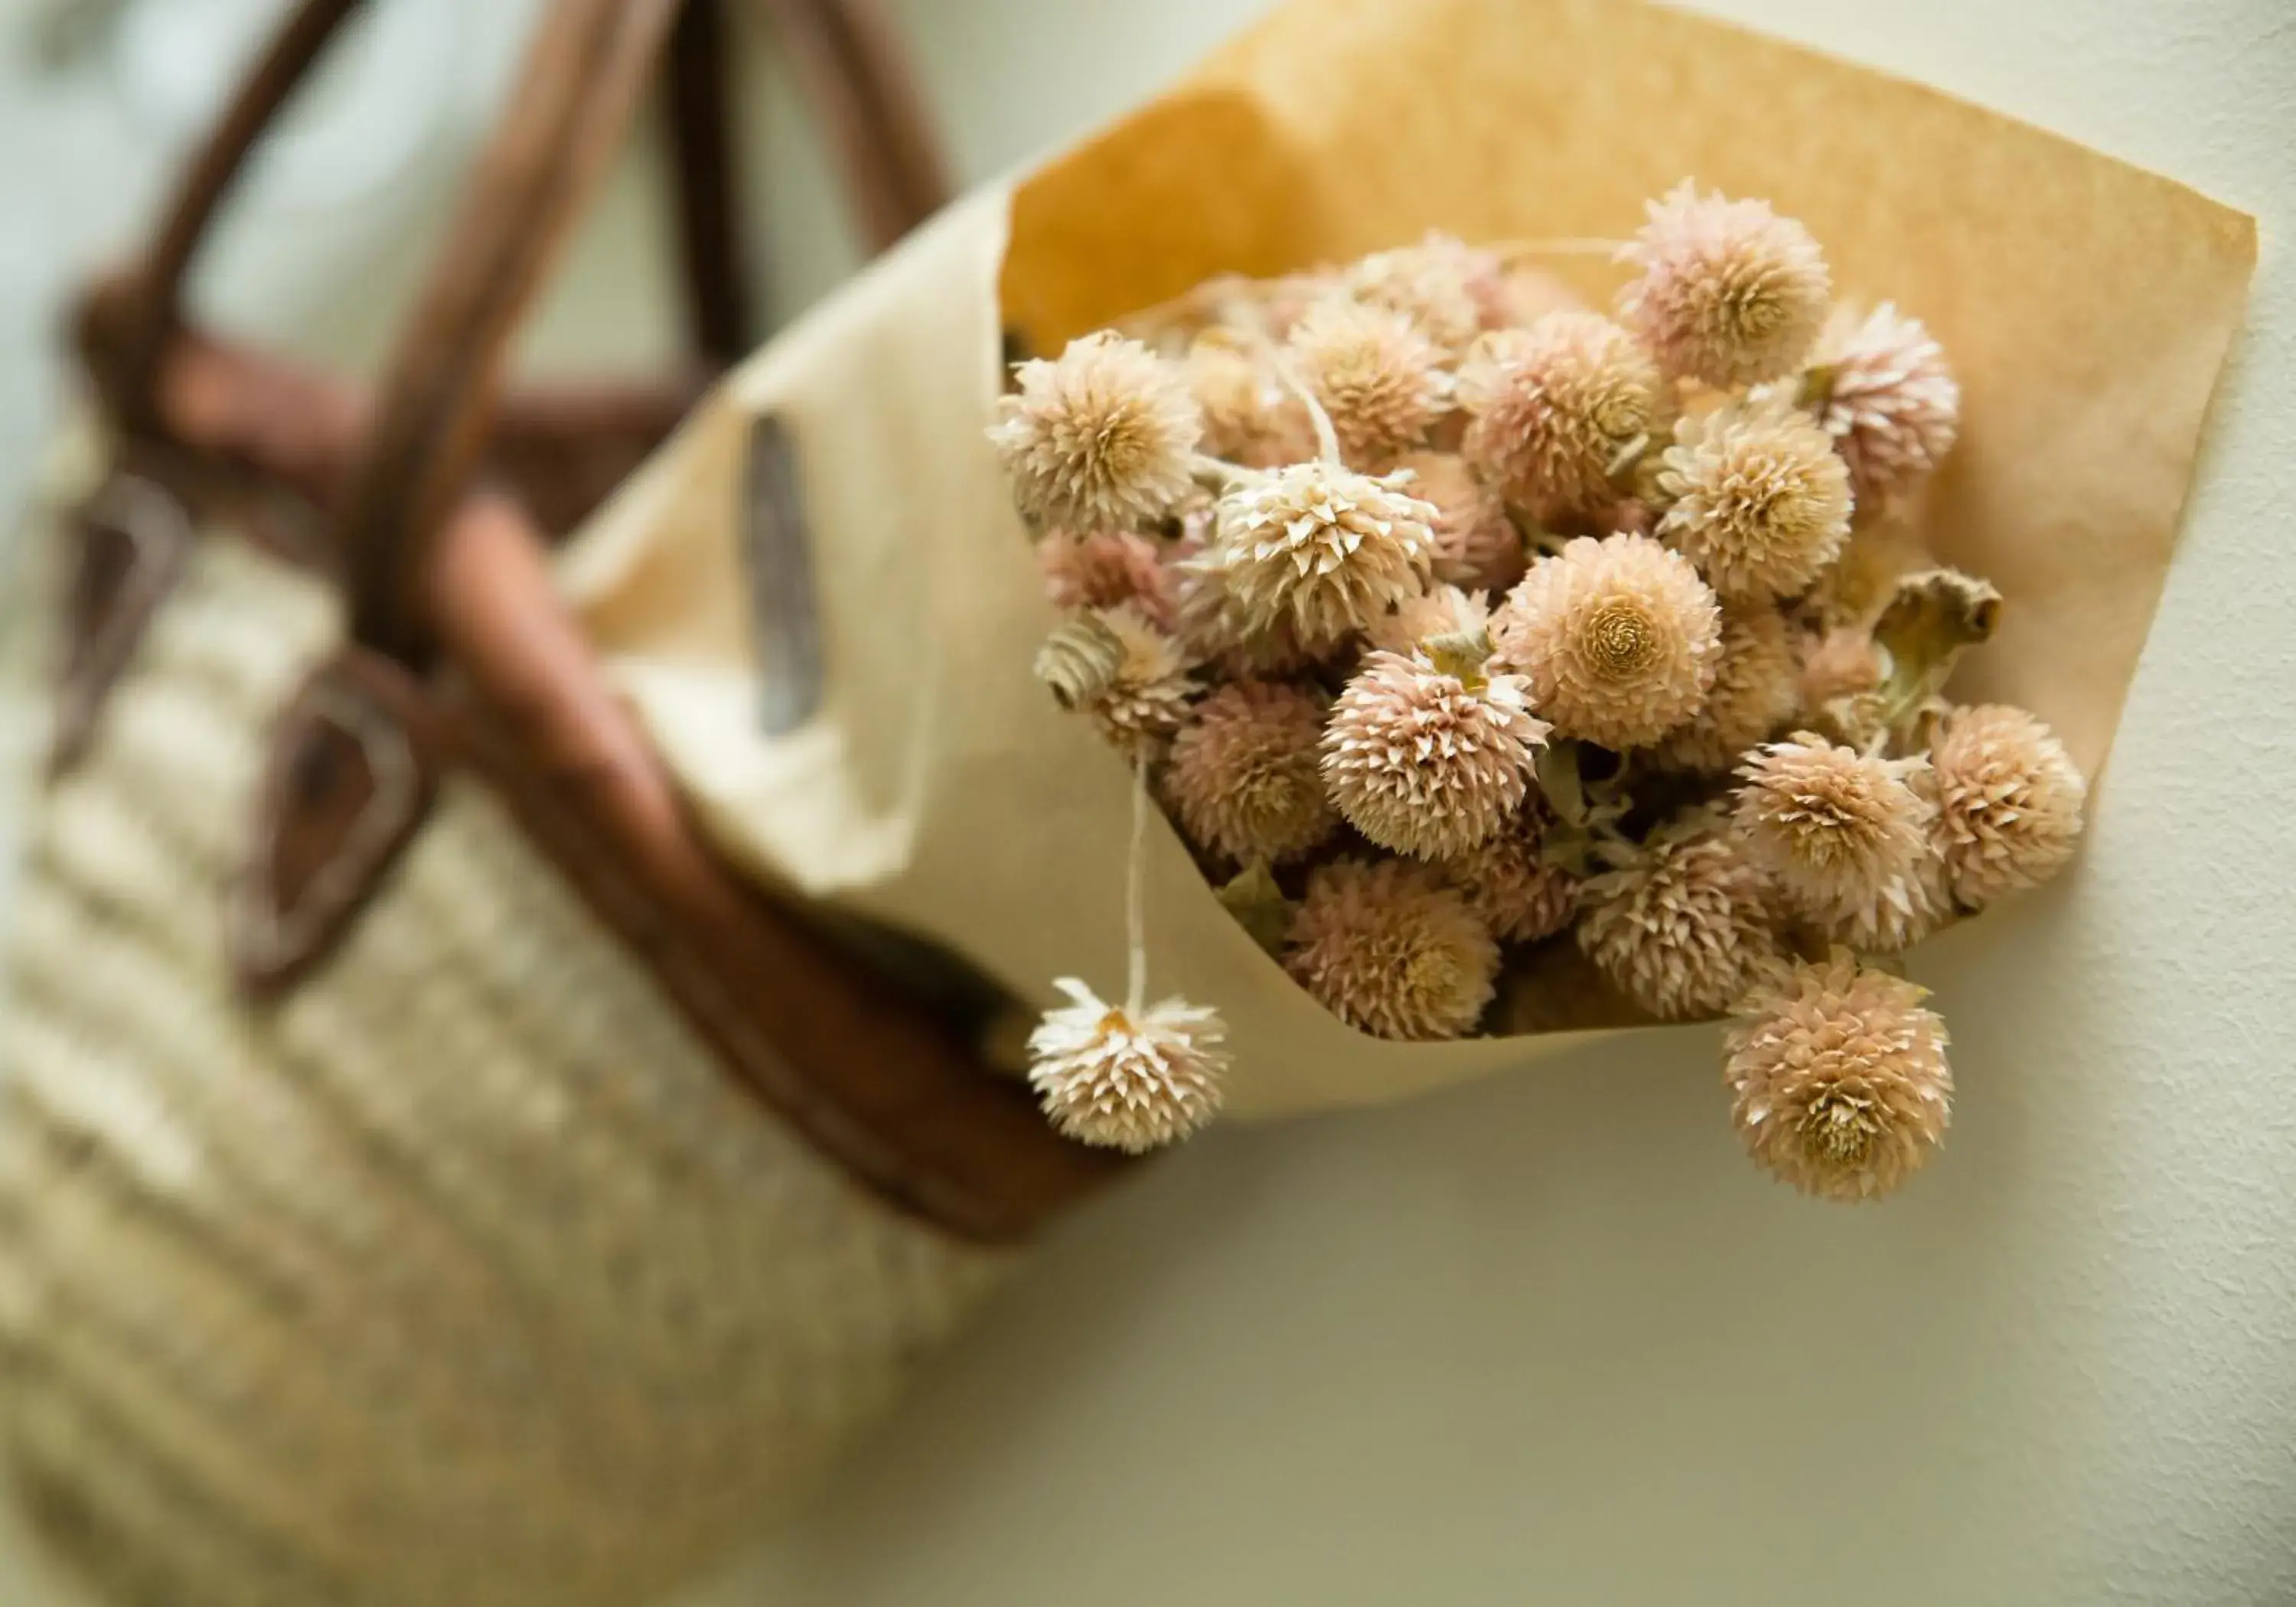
(1135, 888)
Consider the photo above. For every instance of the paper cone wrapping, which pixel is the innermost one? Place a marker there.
(2085, 306)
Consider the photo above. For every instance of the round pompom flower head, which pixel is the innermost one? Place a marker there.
(1832, 826)
(1146, 697)
(2009, 801)
(1476, 544)
(1890, 402)
(1429, 755)
(1391, 950)
(1905, 911)
(1448, 289)
(1377, 378)
(1321, 549)
(1756, 689)
(1505, 880)
(1103, 437)
(1244, 774)
(1553, 408)
(1105, 568)
(1759, 499)
(1619, 637)
(1725, 291)
(1838, 1079)
(1684, 931)
(1124, 1081)
(1250, 417)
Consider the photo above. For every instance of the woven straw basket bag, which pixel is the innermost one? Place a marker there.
(427, 1176)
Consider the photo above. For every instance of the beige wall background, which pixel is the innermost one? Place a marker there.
(1550, 1339)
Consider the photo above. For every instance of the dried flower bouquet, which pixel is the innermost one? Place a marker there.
(1485, 647)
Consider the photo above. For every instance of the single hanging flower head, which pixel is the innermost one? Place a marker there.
(1838, 1079)
(1250, 417)
(1449, 289)
(1105, 568)
(1376, 376)
(1619, 637)
(1832, 826)
(1103, 437)
(1476, 544)
(1552, 408)
(1125, 1081)
(1888, 401)
(1759, 499)
(1391, 950)
(1684, 931)
(1245, 777)
(1756, 689)
(1146, 697)
(1507, 882)
(1428, 755)
(1321, 549)
(1725, 291)
(2009, 801)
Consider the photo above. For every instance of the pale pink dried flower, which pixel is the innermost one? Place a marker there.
(1147, 699)
(1391, 950)
(1440, 610)
(1105, 568)
(1212, 628)
(1251, 417)
(1756, 689)
(1102, 437)
(1445, 287)
(1507, 882)
(1684, 931)
(1838, 1079)
(1760, 500)
(1832, 826)
(2010, 801)
(1246, 775)
(1725, 291)
(1378, 379)
(1428, 763)
(1907, 910)
(1119, 1082)
(1321, 548)
(1890, 403)
(1841, 663)
(1476, 544)
(1619, 638)
(1552, 408)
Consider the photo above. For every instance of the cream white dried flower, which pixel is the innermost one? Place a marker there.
(1448, 289)
(1391, 950)
(1378, 379)
(1251, 417)
(1552, 408)
(1838, 1079)
(1507, 882)
(1832, 826)
(1889, 401)
(1147, 698)
(1105, 568)
(1103, 437)
(1756, 689)
(1440, 610)
(1619, 637)
(1426, 762)
(1726, 292)
(1759, 499)
(1245, 776)
(1476, 544)
(1684, 931)
(1322, 549)
(1121, 1082)
(2010, 801)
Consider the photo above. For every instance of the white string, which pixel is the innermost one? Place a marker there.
(1135, 919)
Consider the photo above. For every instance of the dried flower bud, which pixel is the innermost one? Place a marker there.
(1905, 911)
(1079, 660)
(1838, 1079)
(1322, 548)
(1888, 401)
(1832, 826)
(1147, 698)
(1761, 499)
(1244, 775)
(1553, 407)
(1726, 292)
(1505, 880)
(1756, 689)
(1425, 762)
(1378, 379)
(1391, 951)
(1448, 289)
(1109, 1079)
(2010, 799)
(1102, 437)
(1251, 417)
(1684, 932)
(1619, 637)
(1102, 569)
(1476, 545)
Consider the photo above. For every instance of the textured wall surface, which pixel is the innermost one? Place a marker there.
(1551, 1339)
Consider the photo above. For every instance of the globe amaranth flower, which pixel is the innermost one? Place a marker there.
(1251, 417)
(1552, 408)
(1103, 568)
(1245, 775)
(1756, 689)
(2009, 800)
(1117, 1080)
(1758, 499)
(1322, 549)
(1476, 544)
(1449, 289)
(1838, 1079)
(1832, 826)
(1146, 698)
(1725, 291)
(1103, 437)
(1683, 932)
(1380, 381)
(1391, 950)
(1507, 881)
(1619, 638)
(1440, 610)
(1427, 762)
(1890, 403)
